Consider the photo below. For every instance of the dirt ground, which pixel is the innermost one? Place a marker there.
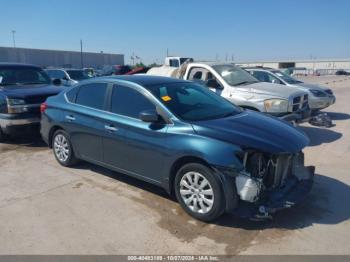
(48, 209)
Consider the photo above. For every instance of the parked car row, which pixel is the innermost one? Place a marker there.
(68, 77)
(285, 97)
(244, 90)
(202, 146)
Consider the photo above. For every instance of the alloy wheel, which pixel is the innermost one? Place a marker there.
(61, 148)
(196, 192)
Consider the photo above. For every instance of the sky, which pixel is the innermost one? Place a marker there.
(242, 30)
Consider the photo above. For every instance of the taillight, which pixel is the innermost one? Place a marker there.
(43, 107)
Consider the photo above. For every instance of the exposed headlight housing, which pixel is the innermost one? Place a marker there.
(276, 105)
(318, 93)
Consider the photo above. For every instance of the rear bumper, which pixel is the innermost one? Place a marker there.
(45, 129)
(294, 191)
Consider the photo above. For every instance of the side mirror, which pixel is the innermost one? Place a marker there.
(275, 81)
(149, 116)
(57, 82)
(212, 83)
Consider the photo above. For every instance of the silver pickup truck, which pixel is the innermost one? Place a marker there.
(238, 86)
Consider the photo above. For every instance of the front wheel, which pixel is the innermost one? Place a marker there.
(62, 149)
(199, 192)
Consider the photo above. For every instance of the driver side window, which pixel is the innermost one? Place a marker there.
(197, 75)
(273, 79)
(265, 77)
(200, 75)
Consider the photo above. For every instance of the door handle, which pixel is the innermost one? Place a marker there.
(70, 118)
(111, 128)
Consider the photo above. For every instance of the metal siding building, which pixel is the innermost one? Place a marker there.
(58, 58)
(323, 66)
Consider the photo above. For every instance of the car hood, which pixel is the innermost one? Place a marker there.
(274, 89)
(306, 86)
(30, 90)
(256, 131)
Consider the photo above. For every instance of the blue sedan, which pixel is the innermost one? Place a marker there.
(212, 155)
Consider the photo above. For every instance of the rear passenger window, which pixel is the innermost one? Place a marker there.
(92, 95)
(72, 94)
(128, 102)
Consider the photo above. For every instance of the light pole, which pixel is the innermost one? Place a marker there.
(81, 54)
(13, 38)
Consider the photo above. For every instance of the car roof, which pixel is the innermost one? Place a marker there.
(213, 63)
(259, 68)
(143, 80)
(4, 64)
(65, 69)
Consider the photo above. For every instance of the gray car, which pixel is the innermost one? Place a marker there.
(319, 97)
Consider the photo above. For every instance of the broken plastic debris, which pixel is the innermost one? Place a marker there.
(321, 119)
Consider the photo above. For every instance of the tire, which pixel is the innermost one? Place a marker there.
(200, 203)
(2, 136)
(62, 149)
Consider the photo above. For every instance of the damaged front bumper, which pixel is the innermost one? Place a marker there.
(298, 117)
(272, 201)
(290, 182)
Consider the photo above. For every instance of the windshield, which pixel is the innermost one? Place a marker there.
(234, 75)
(77, 74)
(183, 60)
(286, 78)
(23, 76)
(192, 102)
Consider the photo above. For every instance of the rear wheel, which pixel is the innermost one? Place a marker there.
(199, 192)
(62, 149)
(2, 136)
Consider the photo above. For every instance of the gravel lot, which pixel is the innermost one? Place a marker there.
(48, 209)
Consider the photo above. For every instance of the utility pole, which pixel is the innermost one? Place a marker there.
(14, 45)
(81, 54)
(13, 38)
(133, 58)
(167, 52)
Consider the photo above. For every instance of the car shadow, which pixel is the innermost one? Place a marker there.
(338, 116)
(29, 140)
(323, 205)
(321, 135)
(131, 181)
